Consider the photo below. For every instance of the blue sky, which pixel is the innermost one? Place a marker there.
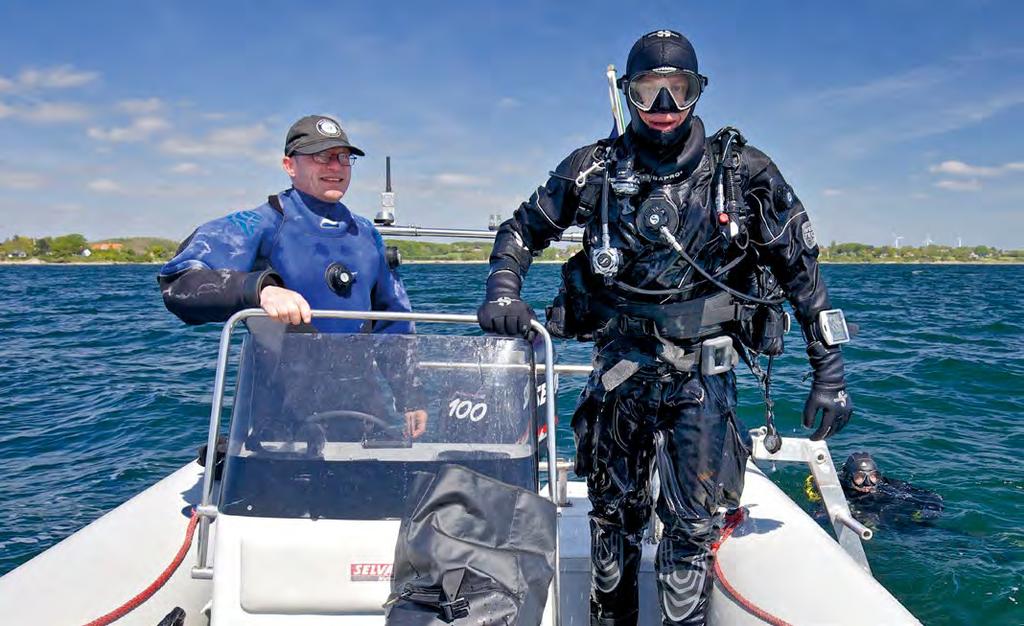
(147, 117)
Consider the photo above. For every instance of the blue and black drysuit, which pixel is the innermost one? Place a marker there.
(222, 266)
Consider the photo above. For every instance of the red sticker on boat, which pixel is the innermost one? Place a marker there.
(363, 572)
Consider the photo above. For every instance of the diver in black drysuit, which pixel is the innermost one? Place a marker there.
(650, 402)
(878, 500)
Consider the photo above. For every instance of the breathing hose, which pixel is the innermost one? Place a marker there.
(672, 241)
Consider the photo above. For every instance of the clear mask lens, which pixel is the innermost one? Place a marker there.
(683, 86)
(862, 478)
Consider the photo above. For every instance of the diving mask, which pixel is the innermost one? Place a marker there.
(683, 86)
(866, 478)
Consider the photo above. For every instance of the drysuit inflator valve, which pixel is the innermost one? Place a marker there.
(657, 212)
(339, 278)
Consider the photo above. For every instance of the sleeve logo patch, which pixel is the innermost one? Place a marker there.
(807, 232)
(246, 221)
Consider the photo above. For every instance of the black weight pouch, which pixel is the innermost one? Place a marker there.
(568, 316)
(473, 550)
(762, 330)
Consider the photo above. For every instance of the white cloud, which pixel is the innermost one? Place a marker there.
(236, 141)
(453, 179)
(959, 185)
(6, 111)
(831, 193)
(923, 102)
(140, 106)
(6, 84)
(52, 112)
(59, 77)
(959, 168)
(20, 180)
(104, 185)
(140, 129)
(907, 83)
(509, 103)
(359, 128)
(186, 168)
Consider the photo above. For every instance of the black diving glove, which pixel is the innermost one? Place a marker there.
(828, 392)
(504, 312)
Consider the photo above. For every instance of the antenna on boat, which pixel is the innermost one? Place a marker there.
(386, 215)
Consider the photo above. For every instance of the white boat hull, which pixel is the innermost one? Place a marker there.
(329, 571)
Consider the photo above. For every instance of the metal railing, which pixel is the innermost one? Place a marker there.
(207, 510)
(457, 233)
(815, 454)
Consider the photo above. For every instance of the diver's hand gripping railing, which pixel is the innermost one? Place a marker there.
(815, 455)
(207, 510)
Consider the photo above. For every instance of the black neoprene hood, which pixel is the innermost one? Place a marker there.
(661, 48)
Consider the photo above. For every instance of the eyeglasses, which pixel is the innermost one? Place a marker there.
(323, 158)
(684, 86)
(859, 478)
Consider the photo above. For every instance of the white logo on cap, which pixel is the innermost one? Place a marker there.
(664, 33)
(327, 127)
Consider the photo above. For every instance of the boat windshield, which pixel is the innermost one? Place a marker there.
(322, 423)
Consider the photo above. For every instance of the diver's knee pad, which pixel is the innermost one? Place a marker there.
(684, 581)
(615, 563)
(615, 558)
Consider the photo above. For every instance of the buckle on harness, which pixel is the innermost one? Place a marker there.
(717, 356)
(455, 609)
(636, 326)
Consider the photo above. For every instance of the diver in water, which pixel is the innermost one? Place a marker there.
(691, 245)
(877, 500)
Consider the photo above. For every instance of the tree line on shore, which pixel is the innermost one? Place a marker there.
(76, 248)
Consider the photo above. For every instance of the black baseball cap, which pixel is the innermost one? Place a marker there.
(316, 133)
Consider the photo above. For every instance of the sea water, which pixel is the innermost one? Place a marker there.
(103, 392)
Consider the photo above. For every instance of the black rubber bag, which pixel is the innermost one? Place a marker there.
(473, 550)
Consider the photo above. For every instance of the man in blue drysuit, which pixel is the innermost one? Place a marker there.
(303, 249)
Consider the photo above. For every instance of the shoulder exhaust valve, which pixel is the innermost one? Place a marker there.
(393, 256)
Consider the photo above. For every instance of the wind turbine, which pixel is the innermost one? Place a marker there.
(896, 240)
(928, 240)
(959, 241)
